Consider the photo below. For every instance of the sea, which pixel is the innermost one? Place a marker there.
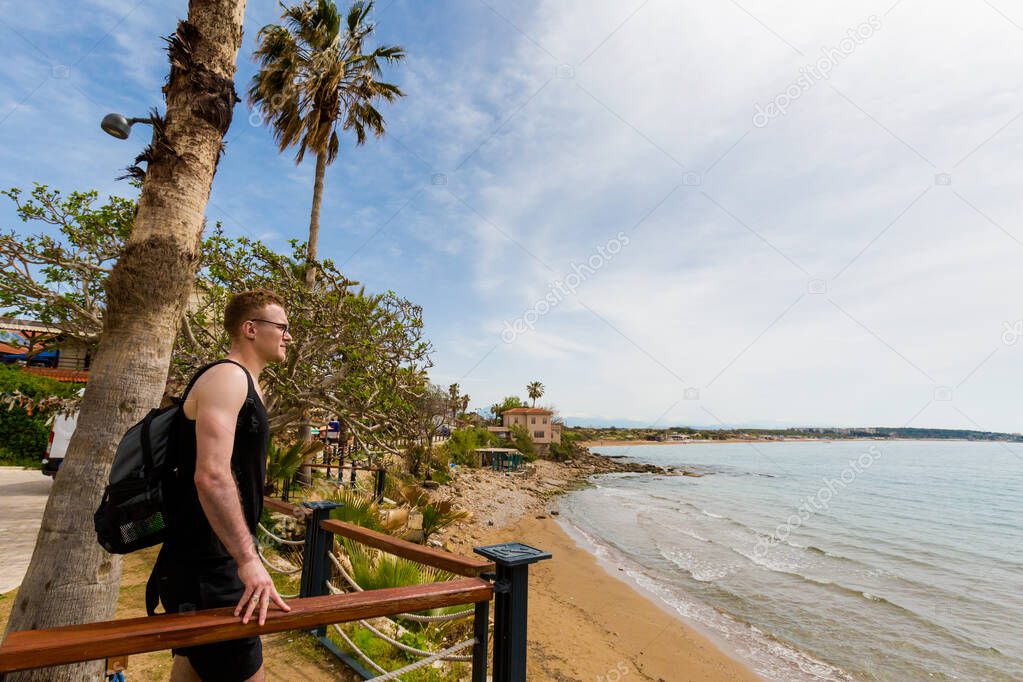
(817, 560)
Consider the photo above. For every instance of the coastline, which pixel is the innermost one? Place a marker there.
(585, 621)
(699, 441)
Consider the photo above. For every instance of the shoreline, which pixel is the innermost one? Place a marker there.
(586, 621)
(699, 441)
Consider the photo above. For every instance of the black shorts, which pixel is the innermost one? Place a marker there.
(193, 585)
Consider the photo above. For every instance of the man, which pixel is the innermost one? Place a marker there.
(209, 558)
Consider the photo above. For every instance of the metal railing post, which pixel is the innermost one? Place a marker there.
(480, 630)
(511, 586)
(318, 543)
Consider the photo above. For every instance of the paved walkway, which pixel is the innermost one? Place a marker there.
(23, 496)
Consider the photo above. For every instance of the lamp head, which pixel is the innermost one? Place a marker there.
(117, 125)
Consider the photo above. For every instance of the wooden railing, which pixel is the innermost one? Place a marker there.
(76, 643)
(314, 609)
(453, 563)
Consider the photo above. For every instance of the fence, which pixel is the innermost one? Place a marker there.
(320, 603)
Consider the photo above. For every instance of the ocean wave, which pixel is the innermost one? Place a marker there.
(698, 570)
(769, 656)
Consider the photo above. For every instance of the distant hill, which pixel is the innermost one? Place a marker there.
(620, 431)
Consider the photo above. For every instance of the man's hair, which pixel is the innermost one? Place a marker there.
(244, 305)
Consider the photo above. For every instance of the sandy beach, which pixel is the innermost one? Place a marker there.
(585, 624)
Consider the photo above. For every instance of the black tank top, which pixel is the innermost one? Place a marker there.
(189, 530)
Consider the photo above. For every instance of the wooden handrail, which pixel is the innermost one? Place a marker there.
(71, 644)
(446, 561)
(286, 507)
(320, 465)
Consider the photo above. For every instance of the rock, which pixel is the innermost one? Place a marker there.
(430, 485)
(490, 523)
(554, 512)
(434, 543)
(541, 516)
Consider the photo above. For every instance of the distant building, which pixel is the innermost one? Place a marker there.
(45, 346)
(538, 421)
(677, 436)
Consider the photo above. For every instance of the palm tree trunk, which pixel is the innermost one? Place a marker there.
(305, 432)
(71, 579)
(314, 220)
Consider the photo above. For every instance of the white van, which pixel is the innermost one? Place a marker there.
(60, 436)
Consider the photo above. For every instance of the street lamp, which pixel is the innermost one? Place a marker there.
(119, 126)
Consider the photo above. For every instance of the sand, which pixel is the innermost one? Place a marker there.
(585, 624)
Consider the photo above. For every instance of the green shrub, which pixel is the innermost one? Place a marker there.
(23, 435)
(460, 448)
(523, 442)
(559, 452)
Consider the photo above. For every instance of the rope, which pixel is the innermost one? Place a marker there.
(411, 616)
(393, 642)
(357, 650)
(274, 568)
(445, 655)
(280, 539)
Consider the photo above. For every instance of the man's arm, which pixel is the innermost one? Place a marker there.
(219, 395)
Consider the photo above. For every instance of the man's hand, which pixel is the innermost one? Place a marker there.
(259, 591)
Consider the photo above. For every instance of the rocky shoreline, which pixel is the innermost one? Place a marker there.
(496, 500)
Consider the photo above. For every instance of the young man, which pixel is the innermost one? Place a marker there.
(209, 558)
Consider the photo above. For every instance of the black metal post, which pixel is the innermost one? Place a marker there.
(480, 629)
(380, 475)
(510, 597)
(315, 563)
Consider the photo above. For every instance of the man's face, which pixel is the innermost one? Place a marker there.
(269, 334)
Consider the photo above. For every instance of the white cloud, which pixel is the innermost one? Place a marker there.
(676, 86)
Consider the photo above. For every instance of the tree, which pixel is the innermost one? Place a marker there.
(356, 356)
(314, 76)
(424, 419)
(535, 390)
(509, 402)
(59, 280)
(453, 401)
(146, 291)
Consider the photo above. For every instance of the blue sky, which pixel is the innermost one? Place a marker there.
(616, 183)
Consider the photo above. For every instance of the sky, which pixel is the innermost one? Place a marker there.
(668, 212)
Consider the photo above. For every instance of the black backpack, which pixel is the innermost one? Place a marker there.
(131, 515)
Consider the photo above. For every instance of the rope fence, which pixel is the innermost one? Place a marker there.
(393, 642)
(410, 616)
(277, 538)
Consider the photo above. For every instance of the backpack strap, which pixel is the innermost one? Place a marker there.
(153, 584)
(202, 370)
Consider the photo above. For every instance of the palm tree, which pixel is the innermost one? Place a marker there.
(71, 579)
(535, 390)
(453, 392)
(315, 76)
